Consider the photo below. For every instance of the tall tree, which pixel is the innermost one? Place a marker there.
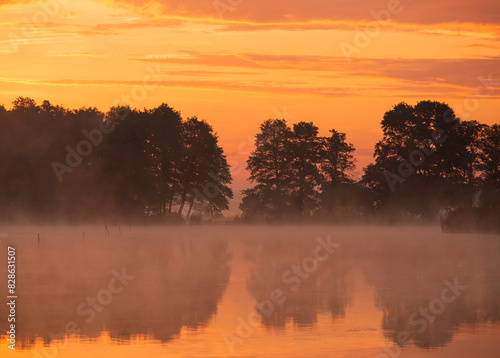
(269, 167)
(489, 167)
(338, 159)
(426, 157)
(165, 146)
(339, 192)
(305, 156)
(204, 173)
(71, 165)
(490, 156)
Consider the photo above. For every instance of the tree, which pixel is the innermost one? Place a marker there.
(490, 156)
(299, 174)
(339, 192)
(166, 147)
(426, 157)
(24, 104)
(60, 164)
(204, 174)
(489, 167)
(269, 166)
(127, 165)
(305, 156)
(338, 159)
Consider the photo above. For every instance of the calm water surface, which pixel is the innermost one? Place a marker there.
(253, 292)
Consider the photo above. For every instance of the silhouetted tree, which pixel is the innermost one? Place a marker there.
(338, 159)
(204, 173)
(300, 174)
(427, 160)
(60, 164)
(341, 197)
(166, 148)
(305, 156)
(269, 167)
(490, 156)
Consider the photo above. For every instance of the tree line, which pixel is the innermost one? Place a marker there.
(298, 173)
(83, 164)
(427, 163)
(153, 165)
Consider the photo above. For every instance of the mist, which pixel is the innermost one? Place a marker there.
(76, 284)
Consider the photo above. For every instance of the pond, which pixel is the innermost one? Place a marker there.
(251, 291)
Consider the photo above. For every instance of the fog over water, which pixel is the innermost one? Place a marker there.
(253, 291)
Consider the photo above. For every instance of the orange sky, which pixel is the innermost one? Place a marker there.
(235, 63)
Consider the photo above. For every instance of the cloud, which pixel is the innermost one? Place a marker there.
(488, 46)
(69, 15)
(202, 73)
(484, 31)
(75, 54)
(464, 73)
(459, 72)
(415, 79)
(264, 87)
(448, 18)
(15, 2)
(265, 11)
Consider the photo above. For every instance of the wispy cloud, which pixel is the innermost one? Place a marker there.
(264, 11)
(409, 86)
(69, 15)
(449, 18)
(73, 54)
(452, 72)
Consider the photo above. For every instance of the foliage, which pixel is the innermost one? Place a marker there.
(60, 164)
(297, 173)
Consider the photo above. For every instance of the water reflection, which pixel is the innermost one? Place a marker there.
(308, 288)
(407, 272)
(174, 283)
(409, 277)
(180, 283)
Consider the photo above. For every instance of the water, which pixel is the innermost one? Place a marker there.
(253, 292)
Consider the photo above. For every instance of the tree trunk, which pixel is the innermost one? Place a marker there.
(170, 204)
(183, 199)
(190, 208)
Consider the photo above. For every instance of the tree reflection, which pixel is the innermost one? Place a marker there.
(177, 283)
(180, 279)
(279, 264)
(409, 276)
(407, 272)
